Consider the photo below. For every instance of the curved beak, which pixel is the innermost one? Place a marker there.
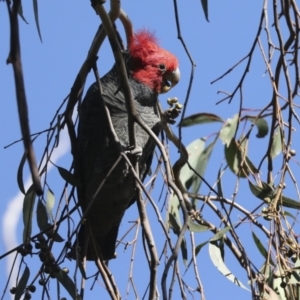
(170, 80)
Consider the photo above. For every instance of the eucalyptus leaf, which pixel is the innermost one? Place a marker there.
(68, 284)
(205, 8)
(201, 167)
(22, 284)
(28, 205)
(262, 126)
(68, 177)
(36, 17)
(228, 131)
(220, 234)
(42, 216)
(216, 257)
(276, 148)
(237, 160)
(194, 227)
(20, 172)
(261, 248)
(200, 118)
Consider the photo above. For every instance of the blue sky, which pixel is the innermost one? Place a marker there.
(50, 68)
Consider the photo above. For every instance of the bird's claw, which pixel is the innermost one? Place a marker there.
(173, 112)
(134, 152)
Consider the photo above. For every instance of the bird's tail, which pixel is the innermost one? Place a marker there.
(84, 245)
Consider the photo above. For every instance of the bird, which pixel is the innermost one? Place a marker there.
(151, 71)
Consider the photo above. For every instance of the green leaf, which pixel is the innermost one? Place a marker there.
(201, 118)
(36, 17)
(295, 278)
(44, 225)
(197, 250)
(68, 177)
(199, 247)
(176, 228)
(22, 284)
(174, 224)
(237, 160)
(205, 9)
(201, 167)
(261, 125)
(42, 216)
(261, 248)
(228, 131)
(216, 257)
(68, 284)
(184, 251)
(194, 150)
(288, 202)
(267, 193)
(286, 213)
(276, 148)
(20, 12)
(20, 171)
(280, 292)
(263, 193)
(219, 184)
(28, 205)
(220, 234)
(50, 201)
(173, 209)
(194, 227)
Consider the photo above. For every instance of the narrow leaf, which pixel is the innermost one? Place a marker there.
(276, 148)
(216, 257)
(197, 250)
(238, 163)
(267, 193)
(20, 12)
(36, 17)
(68, 284)
(205, 9)
(176, 228)
(219, 184)
(261, 125)
(173, 209)
(261, 248)
(68, 176)
(174, 224)
(199, 247)
(201, 118)
(286, 213)
(194, 227)
(288, 202)
(22, 284)
(220, 234)
(277, 286)
(295, 278)
(270, 294)
(28, 205)
(227, 133)
(42, 216)
(184, 251)
(194, 150)
(262, 192)
(201, 167)
(20, 171)
(50, 201)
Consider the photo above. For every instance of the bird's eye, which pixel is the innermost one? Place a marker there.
(162, 67)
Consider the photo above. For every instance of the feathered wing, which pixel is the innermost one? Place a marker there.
(98, 151)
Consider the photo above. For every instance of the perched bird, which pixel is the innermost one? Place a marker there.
(151, 71)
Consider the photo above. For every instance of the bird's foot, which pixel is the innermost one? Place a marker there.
(134, 153)
(173, 112)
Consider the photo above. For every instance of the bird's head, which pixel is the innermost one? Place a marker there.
(155, 67)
